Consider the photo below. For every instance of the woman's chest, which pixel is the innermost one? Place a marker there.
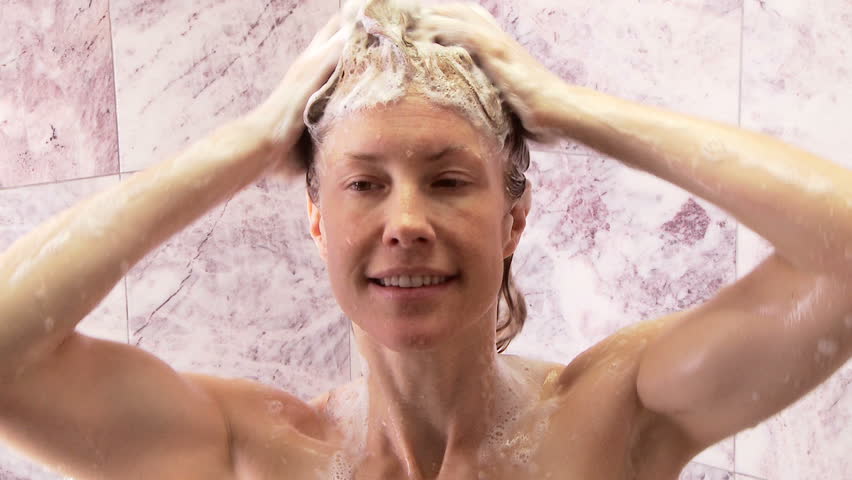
(548, 445)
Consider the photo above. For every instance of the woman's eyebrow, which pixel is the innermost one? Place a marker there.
(371, 157)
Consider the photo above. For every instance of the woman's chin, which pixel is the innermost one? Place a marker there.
(409, 338)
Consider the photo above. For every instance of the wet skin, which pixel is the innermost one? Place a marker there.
(431, 354)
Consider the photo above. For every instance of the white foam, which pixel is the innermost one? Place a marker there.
(509, 437)
(348, 408)
(340, 469)
(381, 63)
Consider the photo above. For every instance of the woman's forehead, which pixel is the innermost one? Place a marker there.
(410, 127)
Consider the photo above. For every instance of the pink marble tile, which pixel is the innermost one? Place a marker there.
(739, 476)
(697, 471)
(797, 70)
(683, 56)
(796, 79)
(13, 466)
(57, 113)
(243, 293)
(607, 246)
(183, 68)
(810, 439)
(23, 209)
(720, 455)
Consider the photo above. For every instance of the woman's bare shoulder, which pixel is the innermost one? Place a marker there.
(249, 405)
(621, 351)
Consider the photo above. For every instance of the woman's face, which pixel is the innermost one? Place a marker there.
(413, 186)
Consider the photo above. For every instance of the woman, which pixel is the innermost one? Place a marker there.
(418, 185)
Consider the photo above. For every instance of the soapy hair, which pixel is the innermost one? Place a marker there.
(381, 64)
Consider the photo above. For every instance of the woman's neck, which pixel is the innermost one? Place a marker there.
(426, 406)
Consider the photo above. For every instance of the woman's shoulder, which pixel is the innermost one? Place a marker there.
(618, 355)
(343, 411)
(248, 405)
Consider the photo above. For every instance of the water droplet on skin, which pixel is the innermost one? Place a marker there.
(274, 406)
(48, 324)
(41, 293)
(827, 347)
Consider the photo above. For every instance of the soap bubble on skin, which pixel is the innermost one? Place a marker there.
(714, 150)
(341, 469)
(507, 438)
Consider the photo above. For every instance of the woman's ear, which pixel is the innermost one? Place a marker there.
(516, 220)
(317, 229)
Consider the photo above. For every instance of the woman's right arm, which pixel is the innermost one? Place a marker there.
(54, 276)
(91, 408)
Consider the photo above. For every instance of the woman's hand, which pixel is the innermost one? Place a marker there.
(280, 115)
(523, 81)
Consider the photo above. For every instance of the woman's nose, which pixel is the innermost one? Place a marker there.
(407, 221)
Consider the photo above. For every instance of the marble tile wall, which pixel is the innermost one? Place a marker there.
(93, 91)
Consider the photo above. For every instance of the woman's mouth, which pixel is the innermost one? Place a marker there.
(411, 281)
(411, 287)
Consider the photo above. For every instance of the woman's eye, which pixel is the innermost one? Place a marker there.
(451, 182)
(360, 185)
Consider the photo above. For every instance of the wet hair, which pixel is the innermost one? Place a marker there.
(379, 65)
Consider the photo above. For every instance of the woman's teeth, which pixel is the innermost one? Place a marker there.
(406, 281)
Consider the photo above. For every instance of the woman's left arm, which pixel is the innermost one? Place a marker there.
(762, 342)
(769, 338)
(798, 201)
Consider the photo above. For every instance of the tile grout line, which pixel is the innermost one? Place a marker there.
(118, 156)
(738, 229)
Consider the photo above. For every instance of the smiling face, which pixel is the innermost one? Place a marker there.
(413, 185)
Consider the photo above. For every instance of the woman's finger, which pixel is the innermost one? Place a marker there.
(450, 31)
(329, 29)
(484, 14)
